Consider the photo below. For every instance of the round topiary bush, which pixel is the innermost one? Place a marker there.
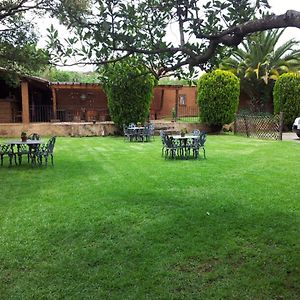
(218, 98)
(129, 88)
(286, 97)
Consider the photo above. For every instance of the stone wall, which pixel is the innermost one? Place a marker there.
(85, 128)
(59, 129)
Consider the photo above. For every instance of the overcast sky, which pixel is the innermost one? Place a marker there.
(277, 6)
(280, 7)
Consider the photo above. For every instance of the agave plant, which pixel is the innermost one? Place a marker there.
(258, 63)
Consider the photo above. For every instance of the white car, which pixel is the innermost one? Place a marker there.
(296, 126)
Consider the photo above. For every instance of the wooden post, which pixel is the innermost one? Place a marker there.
(281, 118)
(235, 124)
(54, 103)
(25, 102)
(246, 126)
(176, 104)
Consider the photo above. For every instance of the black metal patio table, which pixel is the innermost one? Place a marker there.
(137, 132)
(183, 142)
(32, 145)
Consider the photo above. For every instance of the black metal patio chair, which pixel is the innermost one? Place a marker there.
(127, 133)
(151, 131)
(196, 132)
(34, 136)
(197, 144)
(162, 134)
(6, 150)
(21, 151)
(44, 151)
(203, 136)
(148, 132)
(170, 147)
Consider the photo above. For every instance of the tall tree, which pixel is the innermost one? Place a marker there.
(258, 63)
(110, 30)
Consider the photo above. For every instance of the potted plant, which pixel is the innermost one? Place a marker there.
(183, 131)
(173, 114)
(24, 136)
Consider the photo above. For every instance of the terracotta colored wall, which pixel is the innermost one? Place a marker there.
(81, 104)
(164, 100)
(72, 98)
(7, 111)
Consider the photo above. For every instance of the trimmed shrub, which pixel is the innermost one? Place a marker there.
(218, 97)
(286, 97)
(129, 89)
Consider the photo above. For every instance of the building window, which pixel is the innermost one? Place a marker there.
(182, 99)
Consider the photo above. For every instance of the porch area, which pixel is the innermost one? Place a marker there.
(36, 100)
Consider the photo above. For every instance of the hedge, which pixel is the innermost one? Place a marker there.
(286, 97)
(129, 89)
(218, 97)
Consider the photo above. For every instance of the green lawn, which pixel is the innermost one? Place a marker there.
(114, 220)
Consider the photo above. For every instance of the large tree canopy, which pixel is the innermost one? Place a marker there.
(111, 30)
(102, 31)
(18, 51)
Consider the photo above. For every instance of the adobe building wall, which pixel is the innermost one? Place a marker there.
(167, 97)
(88, 99)
(82, 103)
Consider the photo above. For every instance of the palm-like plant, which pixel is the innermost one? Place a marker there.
(258, 63)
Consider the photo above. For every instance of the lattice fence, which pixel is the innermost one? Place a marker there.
(261, 127)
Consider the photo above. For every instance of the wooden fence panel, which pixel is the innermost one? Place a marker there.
(261, 127)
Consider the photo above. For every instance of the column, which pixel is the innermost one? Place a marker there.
(54, 103)
(25, 102)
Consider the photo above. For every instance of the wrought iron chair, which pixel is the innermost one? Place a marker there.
(132, 131)
(34, 136)
(196, 132)
(44, 151)
(151, 131)
(6, 150)
(126, 132)
(162, 135)
(23, 150)
(170, 147)
(139, 134)
(198, 143)
(203, 136)
(148, 132)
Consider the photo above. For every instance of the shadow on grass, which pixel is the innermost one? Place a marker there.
(163, 249)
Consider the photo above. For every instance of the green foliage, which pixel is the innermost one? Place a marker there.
(56, 75)
(129, 87)
(176, 81)
(286, 96)
(18, 41)
(112, 30)
(259, 63)
(218, 97)
(21, 60)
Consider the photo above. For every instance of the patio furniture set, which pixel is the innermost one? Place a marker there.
(33, 148)
(136, 133)
(183, 146)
